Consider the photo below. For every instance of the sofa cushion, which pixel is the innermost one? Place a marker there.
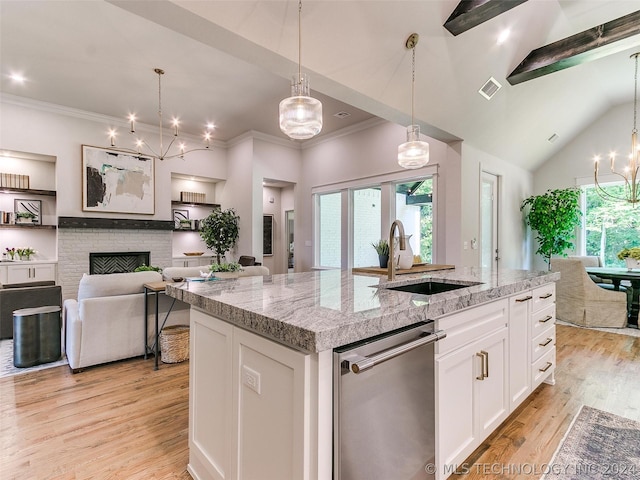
(92, 286)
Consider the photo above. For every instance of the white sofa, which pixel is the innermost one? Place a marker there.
(105, 322)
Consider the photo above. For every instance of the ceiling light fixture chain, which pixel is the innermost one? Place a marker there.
(300, 115)
(161, 153)
(414, 153)
(629, 175)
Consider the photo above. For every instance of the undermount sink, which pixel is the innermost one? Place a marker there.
(430, 287)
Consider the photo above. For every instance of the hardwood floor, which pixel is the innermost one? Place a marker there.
(117, 421)
(125, 421)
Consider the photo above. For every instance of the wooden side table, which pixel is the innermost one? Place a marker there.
(156, 288)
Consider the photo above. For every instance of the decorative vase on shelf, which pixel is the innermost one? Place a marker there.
(403, 259)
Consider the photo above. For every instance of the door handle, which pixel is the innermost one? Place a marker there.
(484, 364)
(546, 296)
(369, 362)
(545, 319)
(547, 367)
(547, 342)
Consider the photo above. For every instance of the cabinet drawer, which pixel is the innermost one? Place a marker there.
(542, 320)
(542, 368)
(543, 296)
(469, 325)
(543, 343)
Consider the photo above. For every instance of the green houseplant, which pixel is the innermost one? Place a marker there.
(382, 249)
(554, 216)
(220, 231)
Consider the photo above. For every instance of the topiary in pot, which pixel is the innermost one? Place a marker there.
(220, 231)
(555, 216)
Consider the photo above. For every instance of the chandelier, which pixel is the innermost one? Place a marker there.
(300, 114)
(629, 174)
(161, 153)
(414, 153)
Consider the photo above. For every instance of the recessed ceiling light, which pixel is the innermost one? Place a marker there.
(17, 78)
(210, 126)
(504, 35)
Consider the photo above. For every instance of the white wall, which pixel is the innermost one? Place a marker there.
(516, 184)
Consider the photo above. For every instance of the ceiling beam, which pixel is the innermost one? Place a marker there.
(471, 13)
(583, 47)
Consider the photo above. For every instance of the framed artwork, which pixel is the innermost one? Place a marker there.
(28, 211)
(267, 235)
(179, 216)
(118, 182)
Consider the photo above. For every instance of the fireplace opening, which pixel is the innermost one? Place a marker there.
(116, 262)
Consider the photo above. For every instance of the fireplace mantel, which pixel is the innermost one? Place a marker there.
(115, 223)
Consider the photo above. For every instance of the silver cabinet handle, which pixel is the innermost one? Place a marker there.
(524, 299)
(547, 367)
(369, 362)
(484, 356)
(546, 319)
(546, 296)
(547, 342)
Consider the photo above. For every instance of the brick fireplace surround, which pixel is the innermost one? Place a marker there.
(77, 240)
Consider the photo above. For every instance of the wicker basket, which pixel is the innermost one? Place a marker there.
(174, 344)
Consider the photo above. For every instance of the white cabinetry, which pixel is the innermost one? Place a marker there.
(250, 405)
(191, 261)
(472, 381)
(27, 272)
(543, 335)
(519, 344)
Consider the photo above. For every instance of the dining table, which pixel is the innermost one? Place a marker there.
(617, 275)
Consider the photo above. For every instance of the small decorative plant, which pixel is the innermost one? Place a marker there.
(225, 267)
(25, 215)
(25, 253)
(633, 252)
(147, 268)
(382, 247)
(11, 252)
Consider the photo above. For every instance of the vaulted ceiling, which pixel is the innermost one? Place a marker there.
(229, 62)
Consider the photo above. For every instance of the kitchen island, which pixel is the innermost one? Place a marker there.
(261, 361)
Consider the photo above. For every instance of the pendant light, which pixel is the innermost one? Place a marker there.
(414, 153)
(300, 114)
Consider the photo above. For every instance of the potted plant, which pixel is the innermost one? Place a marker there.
(220, 231)
(631, 256)
(382, 249)
(25, 217)
(225, 270)
(147, 268)
(555, 216)
(25, 253)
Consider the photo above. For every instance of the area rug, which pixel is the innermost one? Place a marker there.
(597, 445)
(6, 361)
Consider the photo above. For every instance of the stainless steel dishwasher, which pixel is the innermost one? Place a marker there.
(383, 406)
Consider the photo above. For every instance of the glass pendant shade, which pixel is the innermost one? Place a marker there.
(414, 153)
(300, 114)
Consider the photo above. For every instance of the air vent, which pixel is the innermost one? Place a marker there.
(490, 88)
(342, 114)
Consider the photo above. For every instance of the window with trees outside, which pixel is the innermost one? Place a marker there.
(609, 226)
(414, 207)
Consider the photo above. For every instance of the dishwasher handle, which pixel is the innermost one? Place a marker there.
(365, 363)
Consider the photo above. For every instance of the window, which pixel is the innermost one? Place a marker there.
(329, 229)
(367, 212)
(414, 207)
(609, 226)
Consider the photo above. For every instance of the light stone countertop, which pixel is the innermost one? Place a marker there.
(321, 310)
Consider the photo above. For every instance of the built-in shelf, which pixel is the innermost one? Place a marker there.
(195, 204)
(28, 227)
(48, 193)
(115, 223)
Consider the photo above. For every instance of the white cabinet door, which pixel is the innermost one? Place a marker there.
(519, 344)
(491, 404)
(30, 273)
(249, 413)
(471, 399)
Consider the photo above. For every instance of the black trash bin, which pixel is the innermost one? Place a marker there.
(36, 336)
